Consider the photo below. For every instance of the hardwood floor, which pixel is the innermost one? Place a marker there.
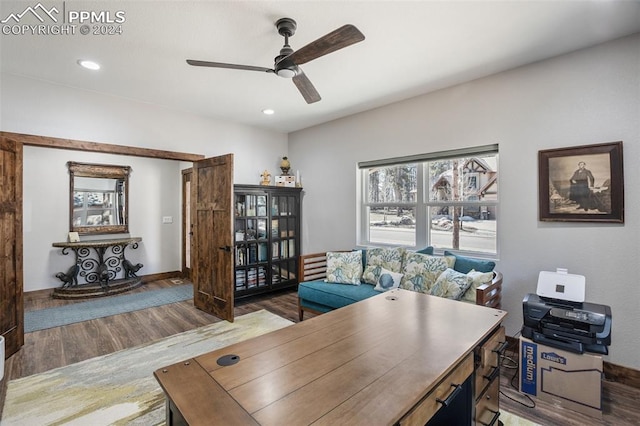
(60, 346)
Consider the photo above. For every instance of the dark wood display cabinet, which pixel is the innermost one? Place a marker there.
(267, 238)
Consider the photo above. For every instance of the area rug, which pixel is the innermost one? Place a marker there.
(509, 419)
(119, 388)
(104, 307)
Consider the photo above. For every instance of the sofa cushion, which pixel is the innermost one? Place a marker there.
(388, 280)
(477, 279)
(451, 284)
(332, 295)
(344, 267)
(465, 264)
(421, 271)
(378, 258)
(426, 250)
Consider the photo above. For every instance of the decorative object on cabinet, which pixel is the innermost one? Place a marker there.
(582, 183)
(267, 238)
(266, 178)
(285, 166)
(99, 271)
(288, 181)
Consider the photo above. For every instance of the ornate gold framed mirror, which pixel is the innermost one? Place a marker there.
(99, 198)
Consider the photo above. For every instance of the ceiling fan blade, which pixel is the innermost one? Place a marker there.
(335, 40)
(223, 65)
(304, 85)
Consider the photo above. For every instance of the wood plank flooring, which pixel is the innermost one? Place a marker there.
(60, 346)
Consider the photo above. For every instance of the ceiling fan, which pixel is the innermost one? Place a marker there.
(286, 64)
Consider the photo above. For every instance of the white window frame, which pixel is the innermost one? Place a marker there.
(422, 204)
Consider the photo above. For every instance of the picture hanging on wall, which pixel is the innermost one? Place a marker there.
(582, 183)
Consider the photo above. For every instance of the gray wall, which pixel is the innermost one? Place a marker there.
(590, 96)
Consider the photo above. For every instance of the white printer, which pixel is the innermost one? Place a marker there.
(558, 316)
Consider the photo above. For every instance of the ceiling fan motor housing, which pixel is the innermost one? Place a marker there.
(285, 67)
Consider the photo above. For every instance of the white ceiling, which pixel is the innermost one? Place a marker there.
(411, 48)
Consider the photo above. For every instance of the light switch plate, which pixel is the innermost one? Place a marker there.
(167, 219)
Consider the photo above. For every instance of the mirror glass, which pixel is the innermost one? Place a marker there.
(98, 198)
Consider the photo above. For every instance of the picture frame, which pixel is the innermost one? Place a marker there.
(581, 183)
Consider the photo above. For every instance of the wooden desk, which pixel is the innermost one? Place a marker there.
(379, 361)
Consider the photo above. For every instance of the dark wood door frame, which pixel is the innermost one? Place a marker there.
(76, 145)
(15, 334)
(187, 225)
(11, 279)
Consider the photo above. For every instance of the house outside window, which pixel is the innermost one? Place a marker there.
(447, 200)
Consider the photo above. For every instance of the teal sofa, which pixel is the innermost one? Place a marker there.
(317, 296)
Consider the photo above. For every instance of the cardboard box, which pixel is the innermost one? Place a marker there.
(567, 379)
(288, 181)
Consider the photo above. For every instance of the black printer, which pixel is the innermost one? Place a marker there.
(572, 324)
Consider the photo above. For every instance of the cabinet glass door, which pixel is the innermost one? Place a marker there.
(251, 242)
(284, 234)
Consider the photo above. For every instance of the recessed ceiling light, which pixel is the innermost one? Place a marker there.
(268, 111)
(90, 65)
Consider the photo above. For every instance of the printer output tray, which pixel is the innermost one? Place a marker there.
(561, 342)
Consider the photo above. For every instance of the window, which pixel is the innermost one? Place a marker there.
(448, 200)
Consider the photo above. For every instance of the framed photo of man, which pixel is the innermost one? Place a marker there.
(582, 183)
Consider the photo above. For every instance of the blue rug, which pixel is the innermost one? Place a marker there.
(100, 308)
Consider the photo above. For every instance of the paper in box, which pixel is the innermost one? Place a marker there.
(571, 380)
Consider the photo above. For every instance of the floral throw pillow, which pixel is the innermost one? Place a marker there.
(382, 258)
(388, 280)
(451, 284)
(477, 279)
(421, 271)
(344, 268)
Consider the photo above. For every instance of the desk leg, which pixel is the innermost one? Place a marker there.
(174, 417)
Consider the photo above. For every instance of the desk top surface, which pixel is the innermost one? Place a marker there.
(367, 363)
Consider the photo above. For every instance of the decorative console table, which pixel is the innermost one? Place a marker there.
(100, 271)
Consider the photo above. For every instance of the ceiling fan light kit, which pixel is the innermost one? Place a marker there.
(286, 64)
(286, 72)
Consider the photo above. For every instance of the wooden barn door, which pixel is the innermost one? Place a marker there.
(11, 301)
(212, 257)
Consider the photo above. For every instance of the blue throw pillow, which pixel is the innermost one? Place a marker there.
(426, 250)
(364, 256)
(466, 264)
